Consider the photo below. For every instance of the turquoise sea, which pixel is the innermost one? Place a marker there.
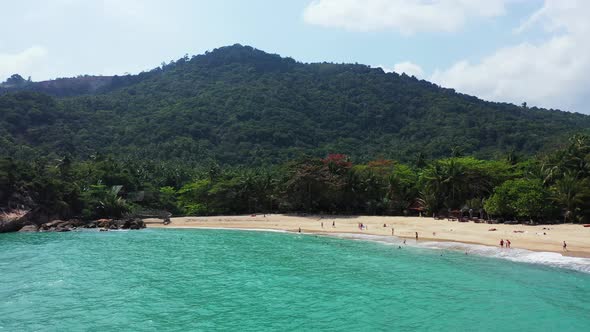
(205, 280)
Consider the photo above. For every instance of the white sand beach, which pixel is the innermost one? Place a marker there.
(537, 238)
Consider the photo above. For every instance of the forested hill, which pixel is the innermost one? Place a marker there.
(239, 105)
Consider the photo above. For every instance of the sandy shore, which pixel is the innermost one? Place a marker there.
(537, 238)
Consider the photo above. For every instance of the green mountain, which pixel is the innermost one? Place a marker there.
(240, 105)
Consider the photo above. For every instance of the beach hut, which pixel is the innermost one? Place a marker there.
(417, 208)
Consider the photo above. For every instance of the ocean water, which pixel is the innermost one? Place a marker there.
(209, 280)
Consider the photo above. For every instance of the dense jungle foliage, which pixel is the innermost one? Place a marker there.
(240, 106)
(549, 188)
(238, 131)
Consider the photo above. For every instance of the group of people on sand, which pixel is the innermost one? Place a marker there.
(508, 244)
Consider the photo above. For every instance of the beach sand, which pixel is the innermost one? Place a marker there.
(537, 238)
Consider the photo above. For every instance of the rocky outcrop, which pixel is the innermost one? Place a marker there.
(103, 224)
(29, 228)
(36, 222)
(61, 225)
(11, 225)
(13, 221)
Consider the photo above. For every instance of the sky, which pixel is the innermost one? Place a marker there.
(533, 51)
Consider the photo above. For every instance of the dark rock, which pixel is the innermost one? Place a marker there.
(13, 225)
(13, 220)
(127, 223)
(104, 223)
(118, 224)
(134, 223)
(37, 216)
(29, 228)
(53, 224)
(74, 223)
(61, 225)
(90, 224)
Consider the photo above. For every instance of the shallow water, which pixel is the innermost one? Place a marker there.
(180, 280)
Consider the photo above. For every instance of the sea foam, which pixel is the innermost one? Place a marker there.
(516, 255)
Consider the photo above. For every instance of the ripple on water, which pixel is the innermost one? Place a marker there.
(155, 280)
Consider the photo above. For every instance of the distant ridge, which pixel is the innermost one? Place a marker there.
(240, 105)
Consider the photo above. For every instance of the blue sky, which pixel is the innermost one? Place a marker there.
(502, 50)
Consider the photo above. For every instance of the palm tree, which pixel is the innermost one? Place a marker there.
(448, 181)
(512, 156)
(430, 200)
(570, 193)
(420, 161)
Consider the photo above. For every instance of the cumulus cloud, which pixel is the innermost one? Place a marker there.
(23, 62)
(409, 68)
(551, 73)
(405, 16)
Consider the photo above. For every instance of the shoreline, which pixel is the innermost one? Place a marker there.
(543, 238)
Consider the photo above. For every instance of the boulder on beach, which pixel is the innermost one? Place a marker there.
(37, 221)
(29, 228)
(12, 221)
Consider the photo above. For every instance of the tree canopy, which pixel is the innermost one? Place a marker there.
(238, 130)
(241, 106)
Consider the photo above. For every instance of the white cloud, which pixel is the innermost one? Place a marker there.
(22, 63)
(552, 73)
(409, 68)
(406, 16)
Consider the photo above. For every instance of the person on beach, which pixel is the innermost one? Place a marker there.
(416, 236)
(322, 224)
(564, 246)
(299, 229)
(333, 224)
(392, 231)
(502, 243)
(508, 243)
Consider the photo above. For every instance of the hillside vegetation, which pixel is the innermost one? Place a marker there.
(240, 106)
(238, 131)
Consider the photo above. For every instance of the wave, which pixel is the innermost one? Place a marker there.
(229, 229)
(552, 259)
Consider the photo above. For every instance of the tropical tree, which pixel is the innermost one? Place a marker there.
(571, 194)
(446, 179)
(523, 198)
(101, 201)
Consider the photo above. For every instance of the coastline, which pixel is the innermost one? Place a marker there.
(542, 238)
